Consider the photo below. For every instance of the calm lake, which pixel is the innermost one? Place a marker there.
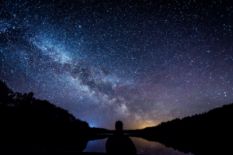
(143, 147)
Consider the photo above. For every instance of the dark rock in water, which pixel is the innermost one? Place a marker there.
(29, 125)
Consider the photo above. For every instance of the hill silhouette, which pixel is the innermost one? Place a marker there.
(207, 133)
(30, 125)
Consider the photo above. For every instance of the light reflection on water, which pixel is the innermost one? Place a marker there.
(143, 147)
(96, 146)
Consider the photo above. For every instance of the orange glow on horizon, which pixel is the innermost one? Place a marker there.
(147, 123)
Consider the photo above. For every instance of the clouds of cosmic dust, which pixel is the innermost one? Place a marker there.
(103, 61)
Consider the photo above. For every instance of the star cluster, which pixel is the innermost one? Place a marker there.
(140, 61)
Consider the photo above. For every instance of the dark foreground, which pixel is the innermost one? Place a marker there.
(32, 126)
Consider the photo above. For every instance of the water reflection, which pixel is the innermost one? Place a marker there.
(143, 147)
(96, 146)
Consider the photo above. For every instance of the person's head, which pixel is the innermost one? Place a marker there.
(119, 125)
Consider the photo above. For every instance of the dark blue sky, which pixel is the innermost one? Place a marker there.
(140, 61)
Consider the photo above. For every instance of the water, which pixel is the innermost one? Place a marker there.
(143, 147)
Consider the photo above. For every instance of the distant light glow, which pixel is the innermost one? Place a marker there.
(142, 62)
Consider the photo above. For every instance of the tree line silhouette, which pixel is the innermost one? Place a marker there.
(30, 125)
(202, 134)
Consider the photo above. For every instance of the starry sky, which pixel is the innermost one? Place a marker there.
(140, 61)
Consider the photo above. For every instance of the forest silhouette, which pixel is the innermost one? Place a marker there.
(201, 134)
(34, 126)
(30, 125)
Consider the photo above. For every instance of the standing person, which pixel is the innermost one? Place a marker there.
(119, 143)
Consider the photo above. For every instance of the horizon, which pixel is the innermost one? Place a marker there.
(140, 126)
(142, 62)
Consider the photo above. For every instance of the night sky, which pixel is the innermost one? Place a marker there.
(143, 62)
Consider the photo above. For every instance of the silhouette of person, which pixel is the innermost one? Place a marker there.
(119, 143)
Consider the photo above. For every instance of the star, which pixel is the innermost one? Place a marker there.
(142, 62)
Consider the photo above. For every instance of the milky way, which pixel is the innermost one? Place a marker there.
(143, 62)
